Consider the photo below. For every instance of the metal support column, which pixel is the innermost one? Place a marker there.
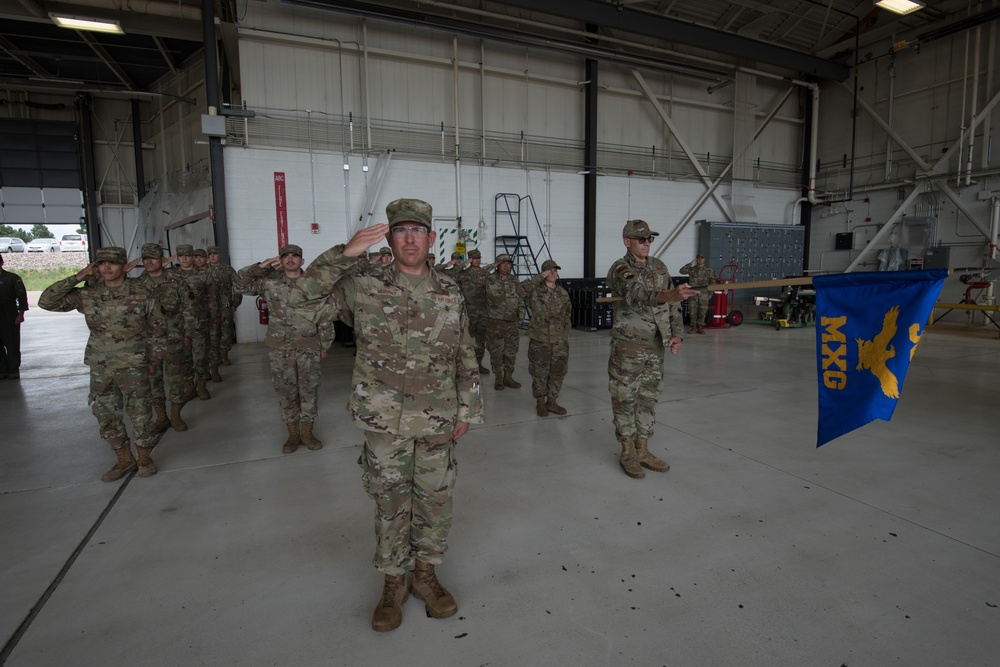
(140, 176)
(84, 111)
(215, 143)
(590, 177)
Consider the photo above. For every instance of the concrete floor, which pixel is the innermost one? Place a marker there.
(882, 547)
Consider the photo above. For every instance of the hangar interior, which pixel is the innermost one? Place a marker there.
(555, 121)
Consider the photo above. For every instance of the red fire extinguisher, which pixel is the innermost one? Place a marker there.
(264, 313)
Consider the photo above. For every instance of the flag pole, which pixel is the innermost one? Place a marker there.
(725, 287)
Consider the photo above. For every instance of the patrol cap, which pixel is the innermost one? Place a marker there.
(200, 252)
(637, 229)
(550, 264)
(386, 250)
(112, 254)
(503, 257)
(185, 250)
(151, 251)
(456, 255)
(409, 210)
(290, 247)
(214, 250)
(431, 255)
(699, 256)
(475, 254)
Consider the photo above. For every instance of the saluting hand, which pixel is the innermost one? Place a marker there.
(131, 265)
(85, 271)
(365, 238)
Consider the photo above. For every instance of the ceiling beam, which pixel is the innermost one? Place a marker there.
(167, 58)
(671, 30)
(21, 57)
(108, 60)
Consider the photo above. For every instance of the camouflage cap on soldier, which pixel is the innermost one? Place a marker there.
(637, 229)
(431, 255)
(290, 247)
(475, 254)
(550, 264)
(151, 251)
(214, 250)
(385, 251)
(409, 210)
(185, 250)
(699, 256)
(112, 254)
(503, 257)
(200, 252)
(456, 255)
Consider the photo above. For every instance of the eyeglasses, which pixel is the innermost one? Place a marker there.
(643, 239)
(400, 230)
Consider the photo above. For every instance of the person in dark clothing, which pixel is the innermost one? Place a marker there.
(13, 305)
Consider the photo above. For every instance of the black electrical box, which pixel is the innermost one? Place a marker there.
(845, 241)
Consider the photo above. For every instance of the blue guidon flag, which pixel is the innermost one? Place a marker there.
(867, 329)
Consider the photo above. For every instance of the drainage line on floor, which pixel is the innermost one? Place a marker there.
(26, 623)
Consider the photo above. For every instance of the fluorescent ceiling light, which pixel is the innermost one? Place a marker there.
(900, 6)
(80, 23)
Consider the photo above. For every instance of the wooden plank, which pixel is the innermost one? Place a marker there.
(968, 306)
(725, 287)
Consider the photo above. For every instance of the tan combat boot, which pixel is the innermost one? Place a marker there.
(482, 369)
(509, 381)
(225, 358)
(125, 464)
(554, 407)
(214, 370)
(540, 408)
(293, 441)
(498, 382)
(647, 460)
(437, 601)
(146, 466)
(162, 422)
(628, 461)
(701, 328)
(389, 612)
(189, 390)
(306, 434)
(203, 390)
(175, 417)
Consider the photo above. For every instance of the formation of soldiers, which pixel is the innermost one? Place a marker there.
(160, 336)
(421, 332)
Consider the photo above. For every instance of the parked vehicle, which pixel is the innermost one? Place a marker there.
(11, 244)
(44, 245)
(73, 242)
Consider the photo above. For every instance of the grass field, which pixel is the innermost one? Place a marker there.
(35, 280)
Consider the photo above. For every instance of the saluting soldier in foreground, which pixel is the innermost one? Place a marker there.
(548, 337)
(416, 390)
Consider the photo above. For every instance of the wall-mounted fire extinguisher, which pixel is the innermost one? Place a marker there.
(264, 313)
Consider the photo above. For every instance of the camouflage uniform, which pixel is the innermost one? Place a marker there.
(294, 343)
(229, 299)
(121, 322)
(169, 355)
(548, 344)
(700, 277)
(641, 327)
(472, 281)
(202, 288)
(504, 301)
(415, 376)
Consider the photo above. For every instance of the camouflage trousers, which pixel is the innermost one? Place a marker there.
(228, 329)
(502, 340)
(547, 364)
(199, 352)
(477, 328)
(215, 341)
(698, 307)
(295, 375)
(114, 389)
(635, 378)
(411, 481)
(171, 360)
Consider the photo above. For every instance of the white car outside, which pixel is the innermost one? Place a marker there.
(44, 245)
(11, 244)
(71, 242)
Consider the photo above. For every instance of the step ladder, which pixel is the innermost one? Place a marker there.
(512, 218)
